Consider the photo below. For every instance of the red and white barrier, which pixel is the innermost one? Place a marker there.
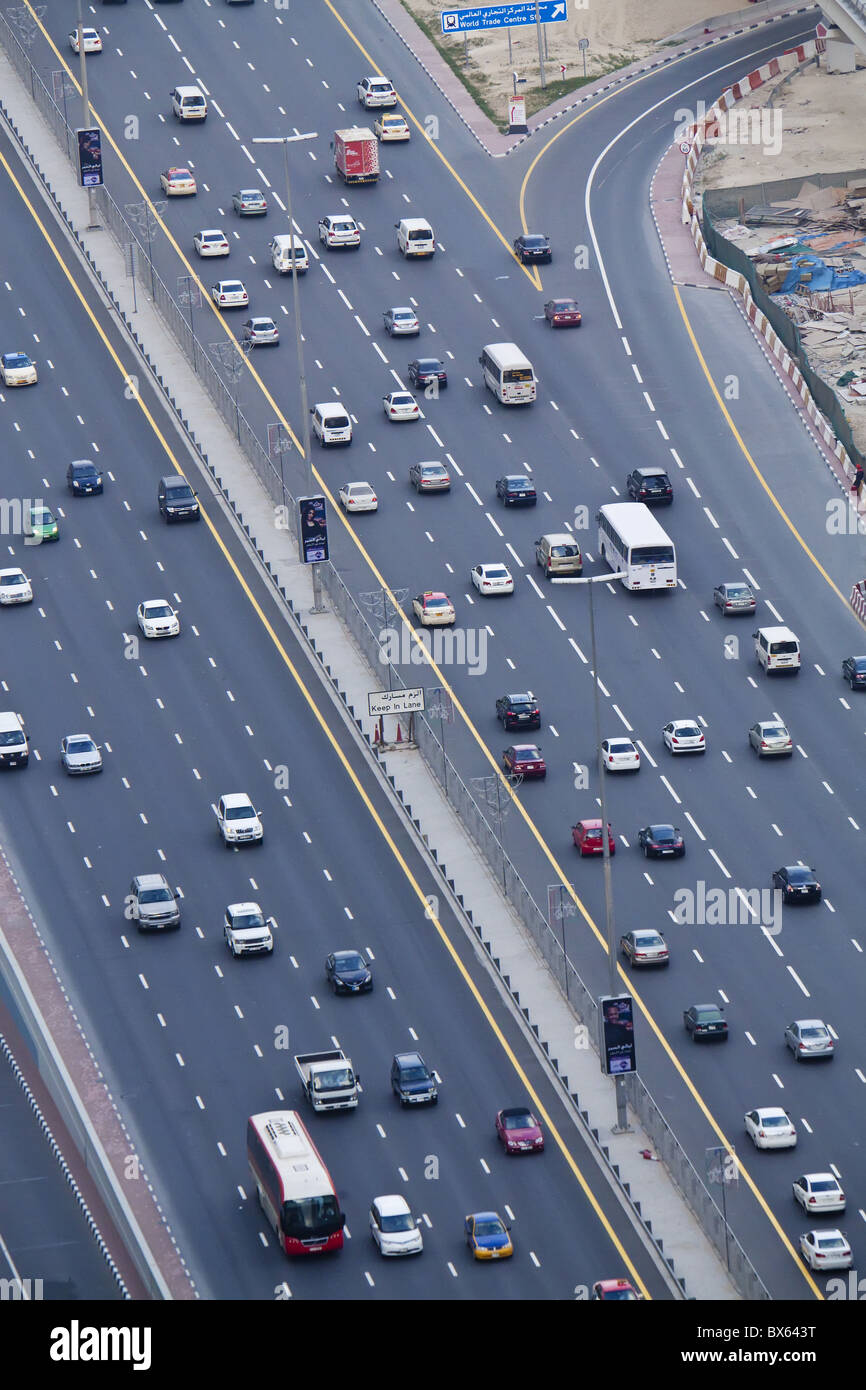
(858, 600)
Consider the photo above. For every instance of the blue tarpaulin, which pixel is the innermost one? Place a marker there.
(822, 276)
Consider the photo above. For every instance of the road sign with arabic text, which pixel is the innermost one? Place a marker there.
(503, 16)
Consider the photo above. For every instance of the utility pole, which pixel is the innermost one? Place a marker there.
(87, 120)
(540, 44)
(285, 141)
(621, 1126)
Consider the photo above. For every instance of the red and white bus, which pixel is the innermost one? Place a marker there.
(294, 1186)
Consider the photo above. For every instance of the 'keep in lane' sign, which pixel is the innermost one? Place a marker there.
(503, 16)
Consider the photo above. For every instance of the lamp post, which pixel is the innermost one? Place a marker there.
(622, 1125)
(92, 225)
(540, 52)
(285, 141)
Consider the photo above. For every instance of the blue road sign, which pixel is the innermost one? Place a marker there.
(503, 16)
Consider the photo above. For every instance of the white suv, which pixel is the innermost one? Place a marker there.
(246, 931)
(238, 820)
(339, 229)
(376, 91)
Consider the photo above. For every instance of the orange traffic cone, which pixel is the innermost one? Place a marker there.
(376, 733)
(399, 732)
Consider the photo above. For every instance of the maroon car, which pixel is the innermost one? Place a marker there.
(587, 837)
(562, 313)
(519, 1131)
(524, 758)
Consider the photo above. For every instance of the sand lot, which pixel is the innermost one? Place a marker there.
(619, 32)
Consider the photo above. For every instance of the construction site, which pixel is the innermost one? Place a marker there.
(771, 185)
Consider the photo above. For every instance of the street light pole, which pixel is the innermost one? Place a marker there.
(285, 141)
(540, 53)
(92, 225)
(622, 1125)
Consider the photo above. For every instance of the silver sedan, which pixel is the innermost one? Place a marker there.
(770, 739)
(402, 322)
(809, 1037)
(80, 755)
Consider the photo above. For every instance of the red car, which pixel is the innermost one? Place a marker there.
(616, 1289)
(524, 758)
(562, 313)
(587, 837)
(519, 1131)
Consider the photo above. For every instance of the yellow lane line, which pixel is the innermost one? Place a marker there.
(684, 1077)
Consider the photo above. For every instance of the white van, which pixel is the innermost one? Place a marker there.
(777, 649)
(14, 744)
(283, 247)
(508, 374)
(188, 104)
(331, 423)
(415, 237)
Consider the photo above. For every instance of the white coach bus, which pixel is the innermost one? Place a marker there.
(630, 539)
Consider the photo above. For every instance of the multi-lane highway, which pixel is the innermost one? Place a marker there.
(612, 395)
(191, 1041)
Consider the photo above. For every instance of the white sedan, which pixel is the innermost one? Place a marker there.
(358, 497)
(156, 618)
(684, 736)
(619, 755)
(825, 1250)
(391, 127)
(17, 369)
(178, 183)
(771, 1128)
(401, 405)
(15, 587)
(211, 242)
(819, 1192)
(492, 579)
(230, 294)
(92, 43)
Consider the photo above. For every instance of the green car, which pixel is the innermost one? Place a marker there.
(42, 524)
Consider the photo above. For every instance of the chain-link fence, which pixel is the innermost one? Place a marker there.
(220, 367)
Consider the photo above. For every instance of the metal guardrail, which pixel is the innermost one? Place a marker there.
(466, 805)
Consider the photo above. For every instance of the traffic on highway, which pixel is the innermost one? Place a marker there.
(181, 793)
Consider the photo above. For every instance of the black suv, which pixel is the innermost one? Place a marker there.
(177, 501)
(412, 1081)
(518, 711)
(650, 485)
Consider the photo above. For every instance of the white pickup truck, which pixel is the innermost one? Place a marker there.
(328, 1079)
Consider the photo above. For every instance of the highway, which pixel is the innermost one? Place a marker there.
(609, 398)
(191, 1041)
(43, 1234)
